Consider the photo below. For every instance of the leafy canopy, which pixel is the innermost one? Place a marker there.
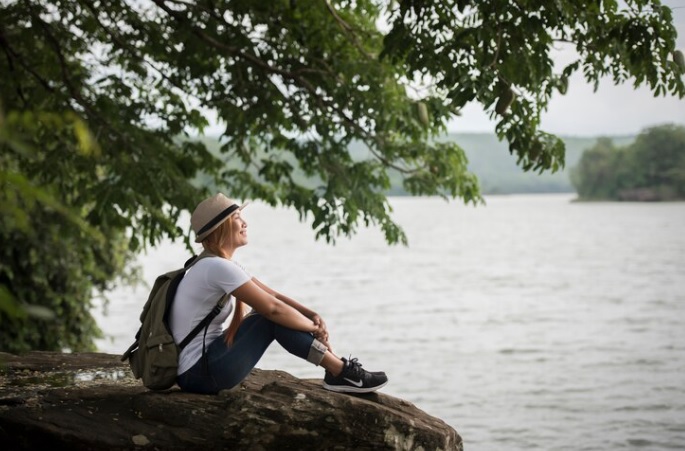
(98, 100)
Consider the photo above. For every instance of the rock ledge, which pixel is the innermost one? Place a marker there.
(90, 401)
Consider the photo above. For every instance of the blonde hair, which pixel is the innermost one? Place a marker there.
(215, 244)
(215, 241)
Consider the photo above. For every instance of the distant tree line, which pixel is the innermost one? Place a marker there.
(650, 169)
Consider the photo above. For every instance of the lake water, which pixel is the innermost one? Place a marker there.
(530, 323)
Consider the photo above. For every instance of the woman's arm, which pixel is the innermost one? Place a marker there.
(272, 308)
(291, 302)
(321, 332)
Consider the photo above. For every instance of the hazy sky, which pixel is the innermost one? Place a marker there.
(612, 110)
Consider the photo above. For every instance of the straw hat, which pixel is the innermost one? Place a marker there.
(211, 213)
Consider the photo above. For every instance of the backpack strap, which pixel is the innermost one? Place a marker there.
(211, 315)
(205, 322)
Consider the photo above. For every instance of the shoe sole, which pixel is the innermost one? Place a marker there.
(348, 389)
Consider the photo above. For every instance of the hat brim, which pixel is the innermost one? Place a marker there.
(200, 238)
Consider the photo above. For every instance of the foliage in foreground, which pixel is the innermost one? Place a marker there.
(650, 169)
(94, 94)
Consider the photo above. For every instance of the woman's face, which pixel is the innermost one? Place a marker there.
(238, 230)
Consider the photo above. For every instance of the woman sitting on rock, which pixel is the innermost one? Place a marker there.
(216, 359)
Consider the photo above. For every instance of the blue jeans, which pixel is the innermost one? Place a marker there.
(226, 366)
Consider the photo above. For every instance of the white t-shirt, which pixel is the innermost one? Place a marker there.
(203, 285)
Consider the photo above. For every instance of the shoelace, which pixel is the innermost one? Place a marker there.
(354, 367)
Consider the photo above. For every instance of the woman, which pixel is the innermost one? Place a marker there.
(216, 359)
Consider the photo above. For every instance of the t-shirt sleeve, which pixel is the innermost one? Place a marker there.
(242, 267)
(226, 275)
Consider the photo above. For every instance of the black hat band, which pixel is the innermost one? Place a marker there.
(217, 219)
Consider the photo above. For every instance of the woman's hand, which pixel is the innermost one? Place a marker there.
(320, 325)
(321, 332)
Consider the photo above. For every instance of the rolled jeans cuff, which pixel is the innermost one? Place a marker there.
(316, 352)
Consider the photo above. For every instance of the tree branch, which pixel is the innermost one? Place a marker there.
(12, 54)
(347, 30)
(124, 45)
(293, 76)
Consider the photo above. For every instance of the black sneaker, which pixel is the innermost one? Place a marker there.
(354, 379)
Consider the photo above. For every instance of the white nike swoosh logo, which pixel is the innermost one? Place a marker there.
(355, 383)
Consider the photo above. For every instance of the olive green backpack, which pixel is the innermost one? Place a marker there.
(153, 356)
